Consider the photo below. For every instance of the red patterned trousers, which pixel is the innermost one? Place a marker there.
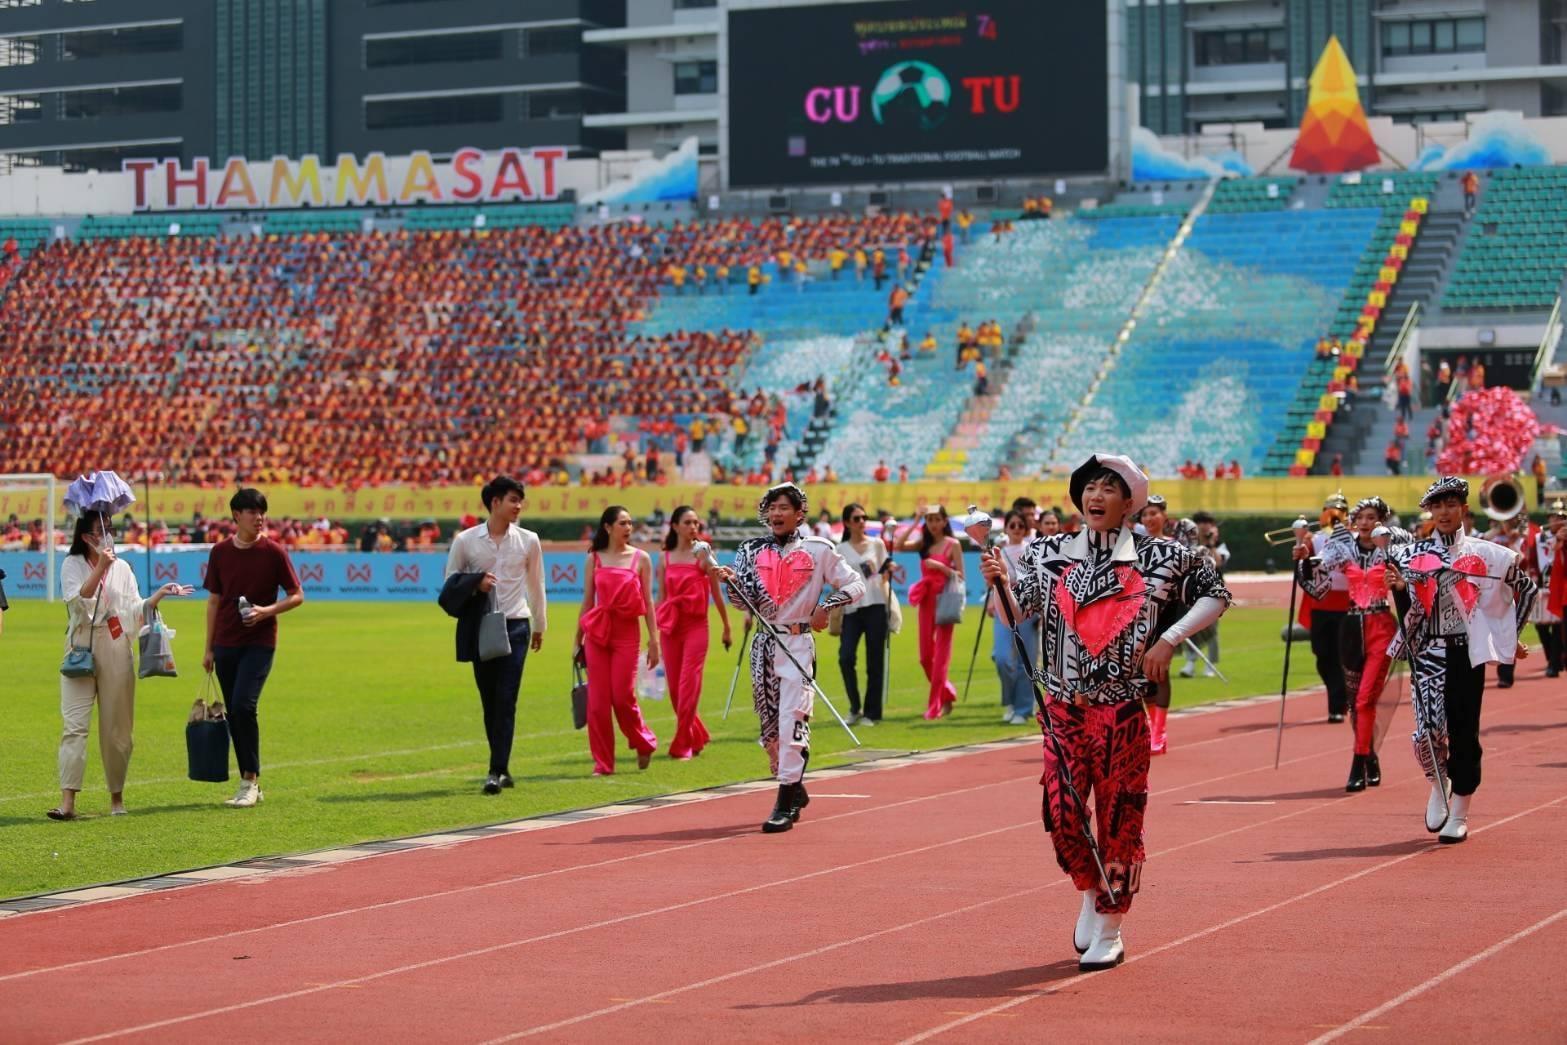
(1106, 749)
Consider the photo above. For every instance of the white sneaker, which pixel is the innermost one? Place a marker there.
(1107, 951)
(1188, 670)
(1457, 827)
(249, 794)
(1083, 931)
(1209, 673)
(1437, 807)
(1008, 716)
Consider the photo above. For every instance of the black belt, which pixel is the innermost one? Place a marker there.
(797, 628)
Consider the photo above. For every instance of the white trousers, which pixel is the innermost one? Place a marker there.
(113, 687)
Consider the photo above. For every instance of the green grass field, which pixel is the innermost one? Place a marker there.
(371, 730)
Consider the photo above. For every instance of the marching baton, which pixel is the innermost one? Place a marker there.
(977, 636)
(1210, 664)
(978, 522)
(1289, 641)
(745, 642)
(701, 549)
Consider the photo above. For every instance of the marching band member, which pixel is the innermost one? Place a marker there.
(1467, 600)
(1369, 627)
(1108, 598)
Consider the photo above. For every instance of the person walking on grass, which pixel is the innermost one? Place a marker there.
(245, 572)
(106, 612)
(687, 585)
(617, 596)
(941, 564)
(499, 559)
(865, 619)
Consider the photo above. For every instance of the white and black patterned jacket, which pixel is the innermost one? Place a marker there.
(1103, 604)
(784, 579)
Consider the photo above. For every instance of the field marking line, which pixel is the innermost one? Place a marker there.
(1231, 923)
(1440, 978)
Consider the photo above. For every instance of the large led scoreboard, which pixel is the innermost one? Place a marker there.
(896, 90)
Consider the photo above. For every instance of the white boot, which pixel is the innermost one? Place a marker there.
(1083, 931)
(1107, 951)
(1457, 827)
(1437, 806)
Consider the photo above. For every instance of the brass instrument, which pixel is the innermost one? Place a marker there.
(1502, 497)
(1291, 533)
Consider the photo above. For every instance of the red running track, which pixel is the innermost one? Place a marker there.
(909, 903)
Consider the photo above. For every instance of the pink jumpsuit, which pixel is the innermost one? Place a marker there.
(935, 639)
(682, 629)
(611, 639)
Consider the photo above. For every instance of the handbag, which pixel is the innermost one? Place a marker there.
(579, 696)
(78, 662)
(894, 611)
(494, 641)
(207, 738)
(949, 604)
(155, 644)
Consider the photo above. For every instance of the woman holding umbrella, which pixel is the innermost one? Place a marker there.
(106, 611)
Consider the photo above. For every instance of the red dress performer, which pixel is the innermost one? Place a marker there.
(687, 585)
(1106, 596)
(618, 582)
(941, 564)
(1359, 554)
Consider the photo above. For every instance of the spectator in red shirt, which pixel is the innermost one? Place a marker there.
(882, 472)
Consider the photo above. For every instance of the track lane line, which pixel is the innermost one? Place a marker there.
(1229, 923)
(1440, 978)
(594, 865)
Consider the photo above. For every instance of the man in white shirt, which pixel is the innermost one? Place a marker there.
(510, 562)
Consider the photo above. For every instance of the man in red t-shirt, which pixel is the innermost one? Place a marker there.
(244, 574)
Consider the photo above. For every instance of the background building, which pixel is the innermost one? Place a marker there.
(85, 85)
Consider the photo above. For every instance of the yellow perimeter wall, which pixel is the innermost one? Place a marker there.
(1284, 497)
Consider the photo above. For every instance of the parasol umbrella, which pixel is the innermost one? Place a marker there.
(102, 492)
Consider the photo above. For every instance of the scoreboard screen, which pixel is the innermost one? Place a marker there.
(916, 90)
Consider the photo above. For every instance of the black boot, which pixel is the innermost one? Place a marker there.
(1373, 771)
(801, 800)
(1357, 774)
(785, 812)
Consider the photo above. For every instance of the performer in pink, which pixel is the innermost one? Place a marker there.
(941, 564)
(617, 591)
(682, 625)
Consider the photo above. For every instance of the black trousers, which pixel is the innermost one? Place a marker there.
(241, 672)
(869, 622)
(498, 681)
(1326, 646)
(1462, 688)
(1551, 643)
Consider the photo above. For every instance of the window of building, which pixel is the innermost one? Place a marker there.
(686, 5)
(20, 108)
(120, 101)
(696, 77)
(1238, 47)
(554, 105)
(5, 4)
(19, 50)
(1433, 36)
(432, 112)
(560, 39)
(110, 43)
(430, 49)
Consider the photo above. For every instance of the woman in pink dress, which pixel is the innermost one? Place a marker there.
(941, 563)
(682, 625)
(617, 594)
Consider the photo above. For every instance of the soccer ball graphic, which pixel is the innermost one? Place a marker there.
(910, 95)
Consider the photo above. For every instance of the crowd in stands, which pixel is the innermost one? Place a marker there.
(1190, 469)
(373, 358)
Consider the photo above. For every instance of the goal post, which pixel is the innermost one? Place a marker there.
(29, 496)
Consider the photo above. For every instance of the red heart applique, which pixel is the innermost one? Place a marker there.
(1425, 587)
(783, 575)
(1366, 587)
(1098, 623)
(1466, 591)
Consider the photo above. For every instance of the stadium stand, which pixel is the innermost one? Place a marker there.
(1515, 255)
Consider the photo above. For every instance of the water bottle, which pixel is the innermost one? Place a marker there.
(245, 608)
